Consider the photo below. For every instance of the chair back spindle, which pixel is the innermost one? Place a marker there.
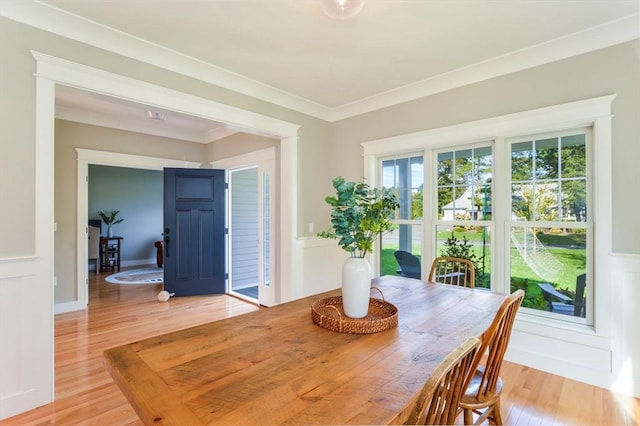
(438, 401)
(485, 387)
(453, 270)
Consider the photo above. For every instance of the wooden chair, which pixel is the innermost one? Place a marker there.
(409, 264)
(453, 270)
(437, 403)
(482, 396)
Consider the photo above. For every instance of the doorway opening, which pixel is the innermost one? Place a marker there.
(260, 165)
(250, 233)
(251, 205)
(52, 71)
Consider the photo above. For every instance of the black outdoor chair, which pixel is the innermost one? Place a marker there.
(409, 264)
(563, 304)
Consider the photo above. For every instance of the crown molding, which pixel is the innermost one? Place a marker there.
(599, 37)
(56, 21)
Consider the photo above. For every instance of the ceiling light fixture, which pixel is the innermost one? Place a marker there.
(341, 9)
(158, 117)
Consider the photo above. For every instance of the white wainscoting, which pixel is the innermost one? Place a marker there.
(608, 359)
(321, 261)
(626, 361)
(26, 324)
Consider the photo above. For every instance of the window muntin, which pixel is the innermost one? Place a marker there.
(548, 231)
(549, 179)
(406, 176)
(464, 184)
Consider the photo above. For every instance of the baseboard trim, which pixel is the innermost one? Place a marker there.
(63, 308)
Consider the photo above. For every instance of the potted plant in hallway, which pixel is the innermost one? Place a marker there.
(359, 214)
(110, 219)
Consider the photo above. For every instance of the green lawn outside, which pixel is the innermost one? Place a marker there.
(573, 262)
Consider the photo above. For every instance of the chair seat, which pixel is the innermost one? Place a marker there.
(482, 396)
(567, 305)
(471, 400)
(562, 308)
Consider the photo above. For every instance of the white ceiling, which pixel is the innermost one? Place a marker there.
(287, 52)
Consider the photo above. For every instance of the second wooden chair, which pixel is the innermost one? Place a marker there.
(437, 403)
(482, 396)
(453, 270)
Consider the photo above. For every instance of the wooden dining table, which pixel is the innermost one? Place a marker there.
(276, 366)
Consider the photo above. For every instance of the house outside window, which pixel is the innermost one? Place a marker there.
(464, 192)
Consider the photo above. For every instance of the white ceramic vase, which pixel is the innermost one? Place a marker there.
(356, 287)
(109, 231)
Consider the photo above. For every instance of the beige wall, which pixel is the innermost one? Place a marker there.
(237, 144)
(17, 105)
(17, 149)
(314, 171)
(325, 149)
(615, 70)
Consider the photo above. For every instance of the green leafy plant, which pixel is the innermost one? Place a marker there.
(463, 249)
(359, 214)
(110, 218)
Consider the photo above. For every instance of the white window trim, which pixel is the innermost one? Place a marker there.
(595, 342)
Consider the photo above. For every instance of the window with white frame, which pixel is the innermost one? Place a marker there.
(527, 202)
(549, 228)
(464, 192)
(401, 248)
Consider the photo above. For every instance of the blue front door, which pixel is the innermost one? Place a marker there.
(194, 231)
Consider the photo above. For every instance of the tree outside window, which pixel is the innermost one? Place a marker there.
(549, 229)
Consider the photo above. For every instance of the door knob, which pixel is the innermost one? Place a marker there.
(166, 245)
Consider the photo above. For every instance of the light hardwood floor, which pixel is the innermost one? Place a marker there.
(119, 314)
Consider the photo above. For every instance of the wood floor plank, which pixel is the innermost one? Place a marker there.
(118, 314)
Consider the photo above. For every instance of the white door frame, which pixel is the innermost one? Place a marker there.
(102, 158)
(51, 71)
(264, 160)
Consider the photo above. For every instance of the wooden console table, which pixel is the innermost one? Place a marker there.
(110, 253)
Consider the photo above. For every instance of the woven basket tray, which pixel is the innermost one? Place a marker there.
(328, 313)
